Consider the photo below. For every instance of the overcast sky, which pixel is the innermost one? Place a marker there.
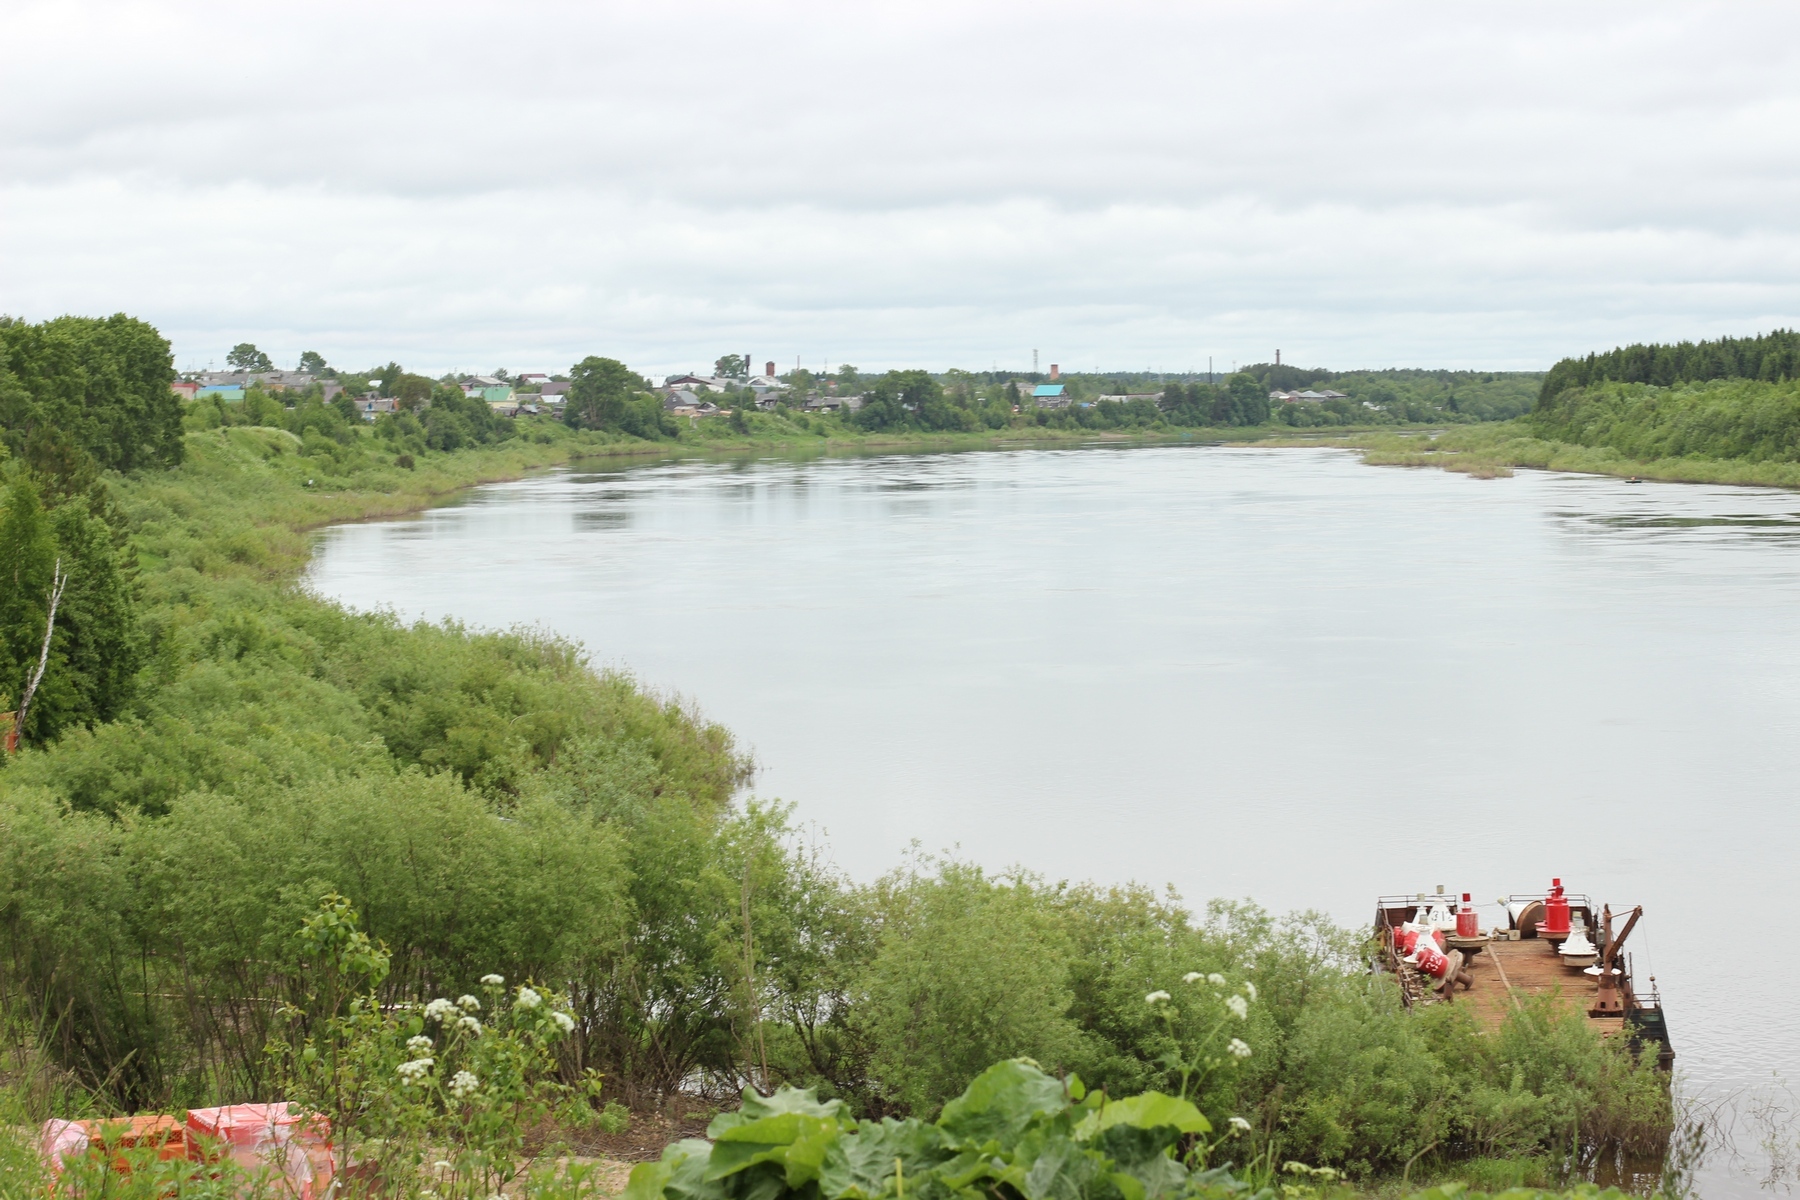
(1116, 185)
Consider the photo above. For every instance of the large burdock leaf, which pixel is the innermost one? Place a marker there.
(679, 1176)
(1151, 1110)
(801, 1101)
(793, 1140)
(860, 1166)
(1002, 1102)
(791, 1129)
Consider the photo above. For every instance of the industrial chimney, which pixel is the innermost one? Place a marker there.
(1055, 371)
(770, 370)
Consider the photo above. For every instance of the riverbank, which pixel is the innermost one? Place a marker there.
(1495, 451)
(247, 497)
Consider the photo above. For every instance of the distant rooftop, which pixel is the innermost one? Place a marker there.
(1047, 389)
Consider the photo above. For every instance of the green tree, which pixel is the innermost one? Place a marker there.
(969, 970)
(731, 366)
(387, 376)
(27, 562)
(598, 391)
(97, 647)
(410, 391)
(96, 650)
(313, 363)
(246, 357)
(901, 399)
(1250, 397)
(102, 383)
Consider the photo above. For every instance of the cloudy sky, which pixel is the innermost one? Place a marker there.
(1117, 185)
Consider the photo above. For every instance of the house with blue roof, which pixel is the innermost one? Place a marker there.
(1050, 395)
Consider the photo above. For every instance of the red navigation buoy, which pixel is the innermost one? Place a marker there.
(1466, 925)
(1556, 913)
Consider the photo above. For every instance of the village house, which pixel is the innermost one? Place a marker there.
(1050, 395)
(695, 383)
(372, 405)
(834, 403)
(272, 381)
(1306, 397)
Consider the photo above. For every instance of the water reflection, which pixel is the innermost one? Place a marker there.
(1787, 522)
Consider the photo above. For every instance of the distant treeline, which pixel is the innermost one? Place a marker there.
(1730, 399)
(1769, 357)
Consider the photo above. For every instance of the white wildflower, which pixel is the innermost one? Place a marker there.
(1239, 1125)
(1240, 1007)
(528, 998)
(492, 980)
(442, 1164)
(463, 1084)
(1158, 997)
(564, 1021)
(439, 1010)
(1239, 1048)
(419, 1044)
(470, 1024)
(468, 1004)
(1192, 977)
(415, 1071)
(1249, 989)
(1216, 979)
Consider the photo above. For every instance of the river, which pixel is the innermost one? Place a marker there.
(1276, 674)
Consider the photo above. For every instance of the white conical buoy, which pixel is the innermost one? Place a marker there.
(1576, 950)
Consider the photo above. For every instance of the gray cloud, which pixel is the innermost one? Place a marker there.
(1122, 185)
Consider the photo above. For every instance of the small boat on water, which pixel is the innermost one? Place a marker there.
(1555, 943)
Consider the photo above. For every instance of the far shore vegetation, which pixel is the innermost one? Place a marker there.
(256, 846)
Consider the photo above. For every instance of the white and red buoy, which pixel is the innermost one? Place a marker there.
(1466, 925)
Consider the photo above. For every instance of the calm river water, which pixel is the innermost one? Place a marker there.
(1277, 674)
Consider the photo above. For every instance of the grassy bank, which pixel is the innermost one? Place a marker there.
(1714, 412)
(1495, 451)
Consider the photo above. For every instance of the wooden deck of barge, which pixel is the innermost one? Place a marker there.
(1506, 975)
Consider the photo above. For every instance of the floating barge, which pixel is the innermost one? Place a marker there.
(1555, 943)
